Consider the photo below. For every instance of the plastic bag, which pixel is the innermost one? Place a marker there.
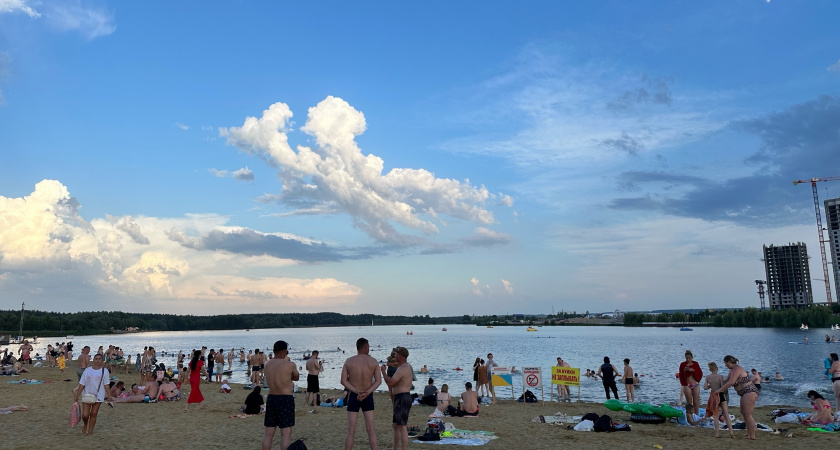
(585, 425)
(75, 414)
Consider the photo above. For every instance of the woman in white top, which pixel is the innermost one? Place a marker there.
(93, 382)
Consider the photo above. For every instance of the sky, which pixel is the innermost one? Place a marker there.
(440, 158)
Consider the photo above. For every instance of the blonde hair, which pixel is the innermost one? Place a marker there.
(713, 367)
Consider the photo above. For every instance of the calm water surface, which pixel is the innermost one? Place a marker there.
(653, 352)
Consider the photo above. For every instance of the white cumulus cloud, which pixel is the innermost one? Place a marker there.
(88, 20)
(336, 175)
(507, 286)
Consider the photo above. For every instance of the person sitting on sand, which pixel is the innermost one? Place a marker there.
(170, 390)
(117, 389)
(443, 401)
(470, 400)
(151, 389)
(135, 395)
(225, 388)
(253, 402)
(429, 394)
(822, 414)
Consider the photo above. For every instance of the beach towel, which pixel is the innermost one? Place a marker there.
(241, 416)
(26, 382)
(712, 404)
(75, 414)
(462, 437)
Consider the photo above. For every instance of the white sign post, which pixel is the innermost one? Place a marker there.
(532, 379)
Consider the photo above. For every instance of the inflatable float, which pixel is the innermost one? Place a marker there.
(643, 408)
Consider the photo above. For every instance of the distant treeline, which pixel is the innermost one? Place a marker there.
(814, 316)
(98, 322)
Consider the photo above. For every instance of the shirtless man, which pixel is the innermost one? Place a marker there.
(254, 361)
(314, 367)
(629, 393)
(280, 406)
(25, 351)
(563, 391)
(470, 399)
(84, 361)
(241, 355)
(220, 364)
(230, 356)
(400, 383)
(356, 376)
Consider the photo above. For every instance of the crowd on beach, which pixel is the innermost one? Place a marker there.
(361, 375)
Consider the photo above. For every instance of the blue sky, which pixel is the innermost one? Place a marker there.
(441, 158)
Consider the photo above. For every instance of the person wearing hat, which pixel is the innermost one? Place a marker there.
(400, 383)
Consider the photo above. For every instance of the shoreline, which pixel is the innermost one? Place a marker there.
(156, 424)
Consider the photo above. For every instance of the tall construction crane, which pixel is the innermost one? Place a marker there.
(822, 240)
(760, 284)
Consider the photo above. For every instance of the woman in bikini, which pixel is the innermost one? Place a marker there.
(822, 414)
(690, 376)
(834, 373)
(443, 400)
(738, 379)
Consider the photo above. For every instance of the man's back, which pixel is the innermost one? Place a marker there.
(84, 360)
(313, 366)
(470, 399)
(280, 375)
(360, 370)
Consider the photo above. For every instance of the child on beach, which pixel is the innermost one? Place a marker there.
(714, 381)
(61, 362)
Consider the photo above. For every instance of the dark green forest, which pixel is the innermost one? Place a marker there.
(814, 316)
(97, 322)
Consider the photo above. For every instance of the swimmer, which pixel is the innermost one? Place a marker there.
(778, 377)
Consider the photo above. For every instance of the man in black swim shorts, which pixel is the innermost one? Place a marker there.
(314, 366)
(401, 385)
(280, 375)
(356, 376)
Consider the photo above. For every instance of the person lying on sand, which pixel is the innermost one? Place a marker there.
(14, 408)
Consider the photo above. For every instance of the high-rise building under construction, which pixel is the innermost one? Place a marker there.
(788, 276)
(832, 216)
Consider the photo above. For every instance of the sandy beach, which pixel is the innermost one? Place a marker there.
(166, 425)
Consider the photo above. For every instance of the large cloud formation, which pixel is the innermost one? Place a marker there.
(335, 176)
(50, 254)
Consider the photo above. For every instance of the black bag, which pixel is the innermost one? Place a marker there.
(432, 433)
(451, 411)
(590, 416)
(297, 445)
(604, 423)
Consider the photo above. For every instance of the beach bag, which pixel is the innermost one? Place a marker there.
(297, 445)
(433, 431)
(75, 414)
(590, 416)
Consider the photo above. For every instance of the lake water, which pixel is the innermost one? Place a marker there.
(654, 352)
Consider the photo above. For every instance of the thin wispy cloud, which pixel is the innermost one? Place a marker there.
(84, 17)
(11, 6)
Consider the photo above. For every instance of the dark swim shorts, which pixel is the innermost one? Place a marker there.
(353, 403)
(312, 383)
(280, 411)
(402, 406)
(628, 381)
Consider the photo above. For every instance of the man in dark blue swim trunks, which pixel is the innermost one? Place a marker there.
(401, 386)
(280, 375)
(356, 376)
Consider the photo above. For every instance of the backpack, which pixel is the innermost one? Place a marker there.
(297, 445)
(604, 423)
(433, 430)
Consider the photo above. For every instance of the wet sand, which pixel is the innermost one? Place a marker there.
(167, 425)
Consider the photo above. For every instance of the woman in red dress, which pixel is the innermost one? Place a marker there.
(195, 380)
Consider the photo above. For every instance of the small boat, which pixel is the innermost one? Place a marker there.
(803, 327)
(489, 326)
(443, 329)
(70, 336)
(686, 329)
(531, 329)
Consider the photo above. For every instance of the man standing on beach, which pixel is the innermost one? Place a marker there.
(280, 375)
(628, 381)
(490, 365)
(563, 391)
(401, 385)
(314, 367)
(84, 361)
(254, 360)
(356, 376)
